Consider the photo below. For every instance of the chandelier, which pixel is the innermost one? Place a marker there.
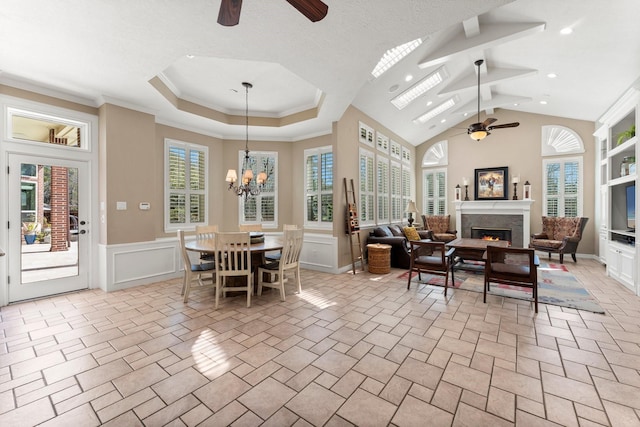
(247, 186)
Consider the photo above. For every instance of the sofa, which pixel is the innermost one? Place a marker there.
(559, 235)
(394, 235)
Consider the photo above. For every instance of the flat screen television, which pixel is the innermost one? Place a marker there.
(631, 207)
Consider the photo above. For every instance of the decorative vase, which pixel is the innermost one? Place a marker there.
(30, 238)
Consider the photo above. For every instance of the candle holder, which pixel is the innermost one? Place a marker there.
(466, 192)
(527, 191)
(515, 191)
(458, 193)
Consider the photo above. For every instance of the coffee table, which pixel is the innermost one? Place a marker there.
(472, 250)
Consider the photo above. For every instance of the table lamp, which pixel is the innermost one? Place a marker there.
(411, 209)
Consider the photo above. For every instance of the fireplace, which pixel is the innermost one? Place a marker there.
(491, 233)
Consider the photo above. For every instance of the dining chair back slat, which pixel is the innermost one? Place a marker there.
(289, 262)
(194, 272)
(250, 227)
(233, 259)
(204, 232)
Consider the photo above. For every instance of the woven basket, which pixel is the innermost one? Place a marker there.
(379, 258)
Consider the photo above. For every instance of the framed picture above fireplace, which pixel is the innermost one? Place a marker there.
(492, 183)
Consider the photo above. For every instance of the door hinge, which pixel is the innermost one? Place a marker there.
(8, 280)
(7, 170)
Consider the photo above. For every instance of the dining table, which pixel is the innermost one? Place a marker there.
(258, 249)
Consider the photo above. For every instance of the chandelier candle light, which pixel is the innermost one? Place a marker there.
(248, 186)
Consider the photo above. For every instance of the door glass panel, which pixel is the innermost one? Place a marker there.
(49, 213)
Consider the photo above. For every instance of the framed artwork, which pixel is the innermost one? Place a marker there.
(396, 152)
(365, 134)
(492, 183)
(382, 142)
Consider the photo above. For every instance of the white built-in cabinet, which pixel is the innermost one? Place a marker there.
(616, 242)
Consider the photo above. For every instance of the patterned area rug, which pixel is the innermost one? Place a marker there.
(556, 286)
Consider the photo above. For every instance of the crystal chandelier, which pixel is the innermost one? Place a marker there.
(248, 186)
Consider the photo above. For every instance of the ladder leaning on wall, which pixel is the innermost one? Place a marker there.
(353, 226)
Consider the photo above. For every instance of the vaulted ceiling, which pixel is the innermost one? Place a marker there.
(173, 60)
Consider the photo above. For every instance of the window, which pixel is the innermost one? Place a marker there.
(383, 190)
(397, 208)
(318, 186)
(186, 171)
(562, 187)
(406, 188)
(367, 192)
(263, 208)
(434, 185)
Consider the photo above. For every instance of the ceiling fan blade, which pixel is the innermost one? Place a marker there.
(506, 125)
(314, 10)
(229, 14)
(488, 121)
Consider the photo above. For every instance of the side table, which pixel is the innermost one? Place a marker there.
(379, 258)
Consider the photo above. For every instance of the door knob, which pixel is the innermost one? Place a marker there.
(82, 231)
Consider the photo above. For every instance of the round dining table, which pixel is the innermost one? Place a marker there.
(258, 249)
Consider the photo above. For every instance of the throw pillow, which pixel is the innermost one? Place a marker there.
(411, 233)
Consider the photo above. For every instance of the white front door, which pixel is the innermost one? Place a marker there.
(48, 225)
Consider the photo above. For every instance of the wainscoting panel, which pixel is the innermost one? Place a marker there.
(320, 252)
(139, 263)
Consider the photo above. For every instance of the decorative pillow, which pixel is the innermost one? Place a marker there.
(411, 233)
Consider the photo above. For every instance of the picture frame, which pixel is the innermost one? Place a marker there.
(492, 183)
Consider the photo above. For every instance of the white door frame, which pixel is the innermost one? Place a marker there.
(87, 154)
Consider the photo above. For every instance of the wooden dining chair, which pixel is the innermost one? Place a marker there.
(194, 272)
(275, 256)
(250, 227)
(289, 262)
(512, 266)
(204, 232)
(430, 257)
(233, 252)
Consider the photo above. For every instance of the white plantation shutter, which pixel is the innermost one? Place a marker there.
(396, 193)
(562, 187)
(406, 188)
(383, 190)
(185, 185)
(367, 188)
(261, 209)
(319, 187)
(434, 187)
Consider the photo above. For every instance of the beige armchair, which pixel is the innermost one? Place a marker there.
(559, 235)
(440, 227)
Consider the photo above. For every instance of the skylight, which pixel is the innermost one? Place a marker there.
(429, 82)
(392, 56)
(438, 110)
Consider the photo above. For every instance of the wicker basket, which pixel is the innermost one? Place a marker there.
(379, 258)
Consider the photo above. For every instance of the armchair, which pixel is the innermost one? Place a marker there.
(511, 266)
(559, 235)
(440, 227)
(433, 258)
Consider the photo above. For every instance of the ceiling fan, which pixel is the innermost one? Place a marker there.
(480, 130)
(229, 14)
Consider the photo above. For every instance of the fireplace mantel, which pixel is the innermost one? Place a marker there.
(520, 208)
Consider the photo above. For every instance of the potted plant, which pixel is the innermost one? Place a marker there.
(30, 231)
(627, 134)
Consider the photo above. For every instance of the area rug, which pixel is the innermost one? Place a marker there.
(556, 286)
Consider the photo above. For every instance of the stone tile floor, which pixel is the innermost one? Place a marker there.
(351, 350)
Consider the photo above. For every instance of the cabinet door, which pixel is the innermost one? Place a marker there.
(613, 262)
(603, 245)
(626, 268)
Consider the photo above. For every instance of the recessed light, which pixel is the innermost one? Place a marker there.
(408, 78)
(567, 30)
(543, 102)
(443, 120)
(429, 103)
(515, 104)
(466, 114)
(394, 88)
(191, 56)
(552, 75)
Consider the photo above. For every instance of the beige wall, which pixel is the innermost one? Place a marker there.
(347, 165)
(520, 150)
